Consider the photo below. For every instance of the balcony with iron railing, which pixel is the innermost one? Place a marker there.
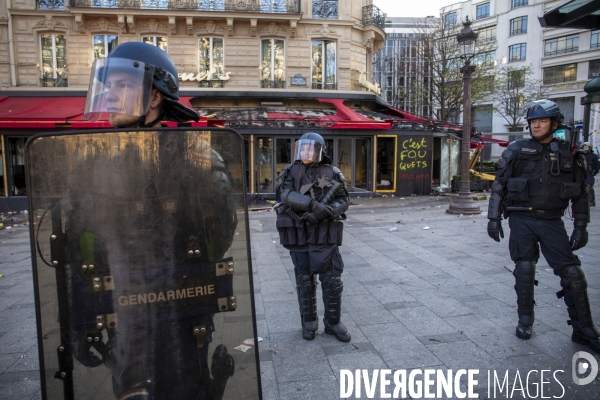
(250, 6)
(51, 4)
(373, 15)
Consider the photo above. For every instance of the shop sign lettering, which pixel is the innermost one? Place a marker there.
(413, 154)
(373, 87)
(203, 76)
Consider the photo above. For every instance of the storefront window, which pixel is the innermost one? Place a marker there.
(210, 53)
(103, 44)
(272, 64)
(16, 167)
(1, 171)
(361, 164)
(158, 41)
(386, 160)
(344, 159)
(264, 152)
(54, 59)
(283, 155)
(324, 65)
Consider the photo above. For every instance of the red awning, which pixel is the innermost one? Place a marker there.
(39, 112)
(48, 112)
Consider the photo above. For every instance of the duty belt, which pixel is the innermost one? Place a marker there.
(533, 213)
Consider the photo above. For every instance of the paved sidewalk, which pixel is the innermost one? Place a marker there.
(439, 298)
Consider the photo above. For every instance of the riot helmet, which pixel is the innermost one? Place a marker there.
(122, 83)
(588, 144)
(310, 147)
(541, 109)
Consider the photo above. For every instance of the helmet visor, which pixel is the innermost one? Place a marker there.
(308, 150)
(119, 86)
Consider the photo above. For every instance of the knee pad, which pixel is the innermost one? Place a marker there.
(524, 271)
(333, 285)
(573, 278)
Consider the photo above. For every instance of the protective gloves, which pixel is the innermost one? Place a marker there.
(579, 237)
(494, 229)
(320, 210)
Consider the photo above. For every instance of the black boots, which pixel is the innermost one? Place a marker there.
(332, 299)
(524, 329)
(307, 299)
(578, 306)
(587, 336)
(524, 282)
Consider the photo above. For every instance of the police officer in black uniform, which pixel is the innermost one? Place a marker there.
(537, 178)
(314, 198)
(593, 166)
(137, 85)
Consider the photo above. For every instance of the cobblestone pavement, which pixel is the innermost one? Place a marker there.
(438, 298)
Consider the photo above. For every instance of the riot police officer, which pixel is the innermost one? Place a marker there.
(137, 85)
(314, 199)
(537, 178)
(593, 166)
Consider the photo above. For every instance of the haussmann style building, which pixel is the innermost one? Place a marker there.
(271, 69)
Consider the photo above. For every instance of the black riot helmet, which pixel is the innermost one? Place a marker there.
(310, 147)
(541, 109)
(138, 67)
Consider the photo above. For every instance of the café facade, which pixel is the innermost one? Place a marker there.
(270, 69)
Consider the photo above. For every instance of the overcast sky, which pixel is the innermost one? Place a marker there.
(412, 8)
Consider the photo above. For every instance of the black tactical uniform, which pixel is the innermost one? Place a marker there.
(166, 356)
(314, 199)
(593, 166)
(535, 183)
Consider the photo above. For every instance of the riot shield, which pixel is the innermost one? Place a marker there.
(141, 259)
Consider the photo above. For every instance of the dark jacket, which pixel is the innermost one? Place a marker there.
(544, 177)
(295, 232)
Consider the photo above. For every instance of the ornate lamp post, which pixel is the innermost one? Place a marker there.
(464, 203)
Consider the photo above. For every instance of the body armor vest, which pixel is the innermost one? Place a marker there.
(294, 233)
(545, 175)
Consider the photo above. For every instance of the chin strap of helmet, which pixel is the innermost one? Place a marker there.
(150, 124)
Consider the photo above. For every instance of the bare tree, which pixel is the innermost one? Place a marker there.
(514, 86)
(445, 60)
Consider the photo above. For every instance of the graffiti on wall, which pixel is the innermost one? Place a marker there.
(413, 154)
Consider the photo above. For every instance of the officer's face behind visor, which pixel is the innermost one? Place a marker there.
(309, 151)
(118, 86)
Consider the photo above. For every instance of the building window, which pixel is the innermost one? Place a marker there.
(483, 10)
(560, 74)
(325, 9)
(272, 63)
(517, 52)
(103, 44)
(594, 70)
(324, 65)
(54, 60)
(561, 45)
(210, 60)
(487, 34)
(518, 25)
(158, 41)
(594, 44)
(519, 3)
(485, 59)
(450, 19)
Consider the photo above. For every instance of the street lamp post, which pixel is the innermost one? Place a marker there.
(464, 203)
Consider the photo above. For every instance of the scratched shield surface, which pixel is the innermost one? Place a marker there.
(142, 270)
